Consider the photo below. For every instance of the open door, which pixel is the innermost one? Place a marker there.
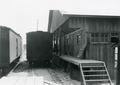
(116, 43)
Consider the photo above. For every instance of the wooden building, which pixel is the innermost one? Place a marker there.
(95, 36)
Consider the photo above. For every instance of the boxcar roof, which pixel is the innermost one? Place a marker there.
(5, 27)
(36, 32)
(57, 18)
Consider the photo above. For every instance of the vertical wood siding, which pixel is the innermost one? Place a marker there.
(76, 22)
(96, 32)
(100, 48)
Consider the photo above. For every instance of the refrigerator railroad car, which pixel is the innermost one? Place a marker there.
(10, 48)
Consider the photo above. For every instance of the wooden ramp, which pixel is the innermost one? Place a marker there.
(78, 61)
(91, 71)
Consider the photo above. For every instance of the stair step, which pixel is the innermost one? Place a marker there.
(95, 80)
(94, 75)
(93, 66)
(94, 70)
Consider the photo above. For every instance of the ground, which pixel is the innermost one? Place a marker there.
(54, 76)
(23, 74)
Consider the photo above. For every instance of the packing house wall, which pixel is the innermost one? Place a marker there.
(88, 37)
(100, 32)
(97, 32)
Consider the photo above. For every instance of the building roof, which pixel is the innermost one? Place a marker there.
(57, 18)
(102, 13)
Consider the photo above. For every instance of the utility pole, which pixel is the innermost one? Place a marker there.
(37, 23)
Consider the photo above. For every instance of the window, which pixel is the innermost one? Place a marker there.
(114, 34)
(99, 37)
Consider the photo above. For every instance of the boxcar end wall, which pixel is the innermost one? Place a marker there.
(39, 47)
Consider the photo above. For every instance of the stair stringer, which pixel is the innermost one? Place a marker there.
(108, 74)
(82, 78)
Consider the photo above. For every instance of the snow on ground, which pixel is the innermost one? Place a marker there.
(50, 76)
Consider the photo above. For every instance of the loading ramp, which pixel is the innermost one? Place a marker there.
(91, 71)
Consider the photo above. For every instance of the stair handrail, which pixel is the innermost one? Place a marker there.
(83, 48)
(107, 73)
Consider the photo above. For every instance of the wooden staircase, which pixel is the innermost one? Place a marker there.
(94, 73)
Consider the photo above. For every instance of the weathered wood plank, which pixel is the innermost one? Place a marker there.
(78, 61)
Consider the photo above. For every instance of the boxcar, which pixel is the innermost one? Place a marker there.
(39, 47)
(10, 48)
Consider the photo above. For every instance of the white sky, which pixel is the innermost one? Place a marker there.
(21, 15)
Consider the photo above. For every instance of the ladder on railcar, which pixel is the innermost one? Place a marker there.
(94, 73)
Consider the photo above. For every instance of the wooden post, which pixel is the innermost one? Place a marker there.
(118, 68)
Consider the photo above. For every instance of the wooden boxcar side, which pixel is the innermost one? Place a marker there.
(4, 47)
(9, 47)
(15, 46)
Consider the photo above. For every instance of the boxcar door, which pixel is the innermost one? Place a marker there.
(16, 47)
